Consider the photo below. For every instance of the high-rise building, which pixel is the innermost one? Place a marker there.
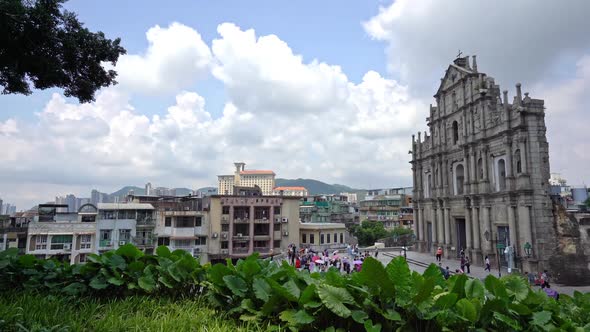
(149, 190)
(264, 179)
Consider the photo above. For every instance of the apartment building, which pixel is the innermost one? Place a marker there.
(13, 232)
(263, 179)
(65, 236)
(242, 225)
(119, 223)
(327, 209)
(321, 236)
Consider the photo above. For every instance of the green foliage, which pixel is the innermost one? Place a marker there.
(42, 44)
(263, 292)
(368, 232)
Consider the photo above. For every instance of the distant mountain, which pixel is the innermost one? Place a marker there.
(122, 193)
(315, 187)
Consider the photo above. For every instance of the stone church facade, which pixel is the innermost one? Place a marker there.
(481, 172)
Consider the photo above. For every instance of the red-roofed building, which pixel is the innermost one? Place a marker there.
(264, 179)
(290, 191)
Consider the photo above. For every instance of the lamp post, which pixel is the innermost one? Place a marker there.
(499, 247)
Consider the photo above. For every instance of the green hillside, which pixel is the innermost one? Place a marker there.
(315, 187)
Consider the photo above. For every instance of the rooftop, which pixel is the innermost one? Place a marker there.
(125, 206)
(253, 171)
(290, 188)
(320, 225)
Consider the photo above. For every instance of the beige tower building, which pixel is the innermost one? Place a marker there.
(263, 179)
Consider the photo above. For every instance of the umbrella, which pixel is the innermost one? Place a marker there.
(319, 261)
(358, 262)
(335, 257)
(335, 252)
(315, 258)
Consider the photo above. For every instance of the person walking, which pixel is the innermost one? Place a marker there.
(488, 266)
(376, 252)
(462, 263)
(439, 253)
(467, 264)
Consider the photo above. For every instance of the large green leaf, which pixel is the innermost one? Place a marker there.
(435, 274)
(147, 283)
(250, 267)
(117, 262)
(541, 318)
(359, 316)
(129, 251)
(369, 327)
(511, 322)
(282, 291)
(292, 288)
(401, 277)
(216, 274)
(236, 284)
(445, 300)
(296, 317)
(335, 298)
(98, 283)
(136, 266)
(261, 288)
(457, 284)
(27, 261)
(474, 289)
(466, 310)
(496, 287)
(116, 281)
(163, 251)
(517, 287)
(373, 274)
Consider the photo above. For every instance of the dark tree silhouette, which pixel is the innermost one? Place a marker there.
(44, 46)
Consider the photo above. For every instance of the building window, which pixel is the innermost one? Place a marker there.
(277, 210)
(327, 237)
(518, 162)
(225, 210)
(82, 258)
(105, 234)
(85, 241)
(480, 168)
(41, 243)
(124, 235)
(168, 222)
(501, 174)
(341, 238)
(455, 132)
(335, 238)
(198, 221)
(312, 238)
(185, 222)
(321, 238)
(201, 241)
(303, 238)
(183, 243)
(225, 227)
(224, 244)
(459, 179)
(163, 241)
(58, 242)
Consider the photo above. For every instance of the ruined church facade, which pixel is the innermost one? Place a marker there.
(481, 172)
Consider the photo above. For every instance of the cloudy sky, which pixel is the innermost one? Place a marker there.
(330, 90)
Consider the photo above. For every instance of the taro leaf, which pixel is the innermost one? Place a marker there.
(248, 305)
(166, 281)
(374, 275)
(392, 315)
(292, 288)
(511, 322)
(98, 283)
(271, 305)
(457, 284)
(466, 310)
(130, 251)
(136, 266)
(4, 263)
(27, 261)
(74, 288)
(334, 277)
(115, 281)
(424, 291)
(519, 309)
(236, 284)
(495, 286)
(308, 295)
(117, 262)
(445, 300)
(261, 288)
(147, 283)
(250, 268)
(216, 274)
(359, 316)
(295, 318)
(282, 291)
(541, 318)
(334, 299)
(518, 287)
(433, 272)
(94, 258)
(163, 251)
(474, 289)
(400, 275)
(372, 328)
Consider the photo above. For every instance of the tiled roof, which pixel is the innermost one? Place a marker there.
(291, 188)
(257, 172)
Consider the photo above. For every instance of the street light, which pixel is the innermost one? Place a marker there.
(527, 249)
(499, 247)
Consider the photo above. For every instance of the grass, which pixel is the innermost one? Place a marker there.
(26, 311)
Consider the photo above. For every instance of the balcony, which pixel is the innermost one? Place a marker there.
(261, 221)
(225, 219)
(240, 250)
(146, 222)
(241, 220)
(262, 237)
(241, 237)
(262, 250)
(187, 213)
(105, 243)
(12, 229)
(143, 241)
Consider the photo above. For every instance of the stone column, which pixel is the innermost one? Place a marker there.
(523, 160)
(447, 212)
(416, 222)
(509, 172)
(485, 211)
(433, 221)
(524, 222)
(467, 229)
(476, 236)
(473, 171)
(512, 225)
(439, 225)
(421, 224)
(466, 169)
(443, 172)
(251, 235)
(485, 162)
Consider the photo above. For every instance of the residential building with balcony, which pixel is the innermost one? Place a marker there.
(242, 225)
(383, 208)
(264, 179)
(327, 209)
(65, 236)
(13, 232)
(122, 223)
(321, 236)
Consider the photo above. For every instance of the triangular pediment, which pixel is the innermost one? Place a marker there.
(453, 75)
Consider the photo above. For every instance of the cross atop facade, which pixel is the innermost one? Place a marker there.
(460, 53)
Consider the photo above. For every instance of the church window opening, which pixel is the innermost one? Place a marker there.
(455, 132)
(459, 179)
(518, 162)
(501, 174)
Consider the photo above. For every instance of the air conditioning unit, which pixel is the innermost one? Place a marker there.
(286, 233)
(186, 208)
(224, 235)
(264, 218)
(239, 235)
(224, 251)
(197, 250)
(285, 219)
(215, 235)
(67, 246)
(122, 243)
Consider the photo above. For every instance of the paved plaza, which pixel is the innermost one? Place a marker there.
(476, 271)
